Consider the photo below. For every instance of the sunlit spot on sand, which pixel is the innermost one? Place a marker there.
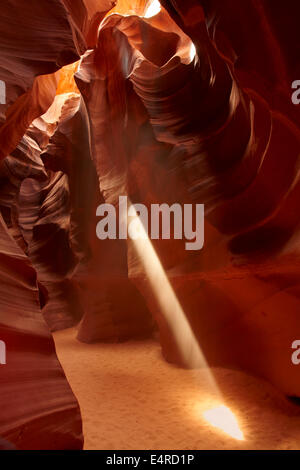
(223, 418)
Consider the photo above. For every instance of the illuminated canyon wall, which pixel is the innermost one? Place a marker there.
(187, 103)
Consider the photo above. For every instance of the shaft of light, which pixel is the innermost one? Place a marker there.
(220, 417)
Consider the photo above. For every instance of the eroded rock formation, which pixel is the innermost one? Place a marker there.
(187, 104)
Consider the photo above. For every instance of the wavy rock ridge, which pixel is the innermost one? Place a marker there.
(186, 106)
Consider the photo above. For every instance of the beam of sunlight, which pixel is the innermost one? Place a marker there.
(169, 305)
(222, 418)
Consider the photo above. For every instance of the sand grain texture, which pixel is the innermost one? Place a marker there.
(130, 398)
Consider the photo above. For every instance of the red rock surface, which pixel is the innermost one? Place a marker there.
(38, 408)
(192, 105)
(215, 140)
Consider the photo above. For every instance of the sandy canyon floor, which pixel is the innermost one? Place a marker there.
(130, 398)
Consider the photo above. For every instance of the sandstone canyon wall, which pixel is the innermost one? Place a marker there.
(190, 105)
